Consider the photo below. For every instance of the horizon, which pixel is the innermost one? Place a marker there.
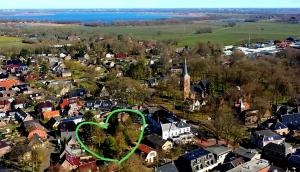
(147, 4)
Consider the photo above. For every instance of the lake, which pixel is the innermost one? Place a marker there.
(82, 16)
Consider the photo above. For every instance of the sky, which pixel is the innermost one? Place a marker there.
(63, 4)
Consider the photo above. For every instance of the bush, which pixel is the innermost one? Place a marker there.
(231, 24)
(204, 30)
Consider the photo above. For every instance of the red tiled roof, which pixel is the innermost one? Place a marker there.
(8, 83)
(64, 103)
(50, 114)
(145, 148)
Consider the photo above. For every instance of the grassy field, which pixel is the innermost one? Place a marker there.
(10, 41)
(185, 33)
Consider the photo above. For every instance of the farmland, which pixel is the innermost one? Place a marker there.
(184, 34)
(10, 41)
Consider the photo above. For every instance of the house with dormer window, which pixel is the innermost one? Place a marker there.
(263, 137)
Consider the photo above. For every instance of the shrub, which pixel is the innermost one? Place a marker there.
(204, 30)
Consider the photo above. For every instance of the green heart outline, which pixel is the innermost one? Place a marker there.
(105, 126)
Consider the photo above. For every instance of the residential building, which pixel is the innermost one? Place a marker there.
(259, 165)
(280, 128)
(179, 132)
(197, 160)
(263, 137)
(157, 142)
(294, 160)
(168, 167)
(247, 154)
(292, 121)
(50, 114)
(34, 127)
(220, 152)
(249, 117)
(277, 153)
(148, 153)
(4, 148)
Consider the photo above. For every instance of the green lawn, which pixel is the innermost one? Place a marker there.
(185, 33)
(10, 41)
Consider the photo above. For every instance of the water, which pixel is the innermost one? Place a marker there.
(81, 16)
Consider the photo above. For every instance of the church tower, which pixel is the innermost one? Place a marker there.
(186, 82)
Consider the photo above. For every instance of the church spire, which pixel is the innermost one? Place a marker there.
(185, 68)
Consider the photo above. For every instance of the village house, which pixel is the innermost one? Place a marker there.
(50, 114)
(220, 152)
(19, 103)
(253, 166)
(249, 117)
(36, 96)
(294, 160)
(246, 154)
(179, 132)
(74, 157)
(4, 148)
(36, 142)
(66, 73)
(44, 107)
(77, 93)
(20, 115)
(15, 66)
(8, 93)
(263, 137)
(148, 153)
(292, 121)
(34, 127)
(230, 164)
(5, 104)
(7, 84)
(277, 153)
(197, 160)
(157, 142)
(279, 128)
(168, 167)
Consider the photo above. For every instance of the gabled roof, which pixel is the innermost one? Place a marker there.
(295, 157)
(247, 153)
(196, 153)
(33, 125)
(168, 127)
(50, 114)
(283, 149)
(236, 162)
(8, 83)
(278, 126)
(144, 148)
(218, 149)
(169, 167)
(64, 103)
(182, 124)
(268, 133)
(45, 104)
(291, 120)
(154, 140)
(36, 139)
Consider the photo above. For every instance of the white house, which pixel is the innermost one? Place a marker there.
(148, 153)
(109, 55)
(2, 114)
(220, 152)
(179, 132)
